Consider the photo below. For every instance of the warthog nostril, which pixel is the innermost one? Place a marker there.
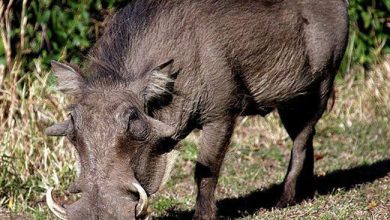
(74, 188)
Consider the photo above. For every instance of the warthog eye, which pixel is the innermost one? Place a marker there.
(137, 127)
(133, 114)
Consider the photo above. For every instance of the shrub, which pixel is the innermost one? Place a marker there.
(57, 29)
(51, 29)
(369, 32)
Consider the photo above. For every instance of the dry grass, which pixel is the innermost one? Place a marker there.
(27, 158)
(354, 135)
(27, 105)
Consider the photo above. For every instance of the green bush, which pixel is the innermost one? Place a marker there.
(66, 29)
(55, 29)
(369, 35)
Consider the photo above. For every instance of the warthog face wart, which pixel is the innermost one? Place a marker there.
(120, 148)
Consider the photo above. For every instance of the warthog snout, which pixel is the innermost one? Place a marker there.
(78, 210)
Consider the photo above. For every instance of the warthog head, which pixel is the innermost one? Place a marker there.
(124, 154)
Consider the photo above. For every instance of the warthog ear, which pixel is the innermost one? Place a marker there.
(159, 89)
(60, 129)
(69, 78)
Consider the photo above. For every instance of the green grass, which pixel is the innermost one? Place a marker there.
(351, 149)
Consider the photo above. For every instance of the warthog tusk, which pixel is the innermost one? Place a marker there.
(142, 205)
(54, 207)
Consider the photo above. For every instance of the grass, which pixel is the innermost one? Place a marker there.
(351, 149)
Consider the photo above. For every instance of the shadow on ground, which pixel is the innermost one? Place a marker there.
(267, 198)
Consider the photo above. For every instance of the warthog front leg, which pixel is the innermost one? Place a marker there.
(215, 140)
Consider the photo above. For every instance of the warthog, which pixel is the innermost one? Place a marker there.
(164, 68)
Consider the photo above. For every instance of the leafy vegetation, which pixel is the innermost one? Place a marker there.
(56, 29)
(355, 134)
(369, 32)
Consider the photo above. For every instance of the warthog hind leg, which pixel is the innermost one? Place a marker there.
(299, 117)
